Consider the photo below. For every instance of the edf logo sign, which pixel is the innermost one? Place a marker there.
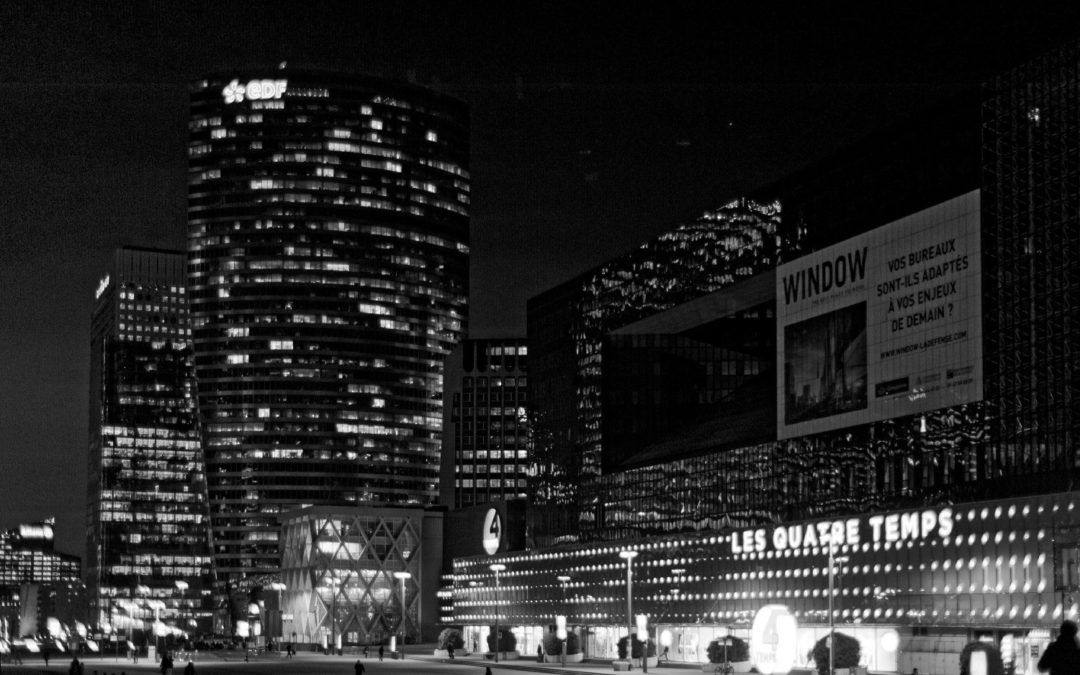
(254, 90)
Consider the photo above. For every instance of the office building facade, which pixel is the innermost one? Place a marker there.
(37, 581)
(486, 443)
(567, 324)
(905, 470)
(147, 519)
(328, 266)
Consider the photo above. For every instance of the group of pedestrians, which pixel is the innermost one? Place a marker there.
(358, 667)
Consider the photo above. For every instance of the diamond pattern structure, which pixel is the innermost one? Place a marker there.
(338, 566)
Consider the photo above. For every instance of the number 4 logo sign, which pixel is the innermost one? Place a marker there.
(492, 531)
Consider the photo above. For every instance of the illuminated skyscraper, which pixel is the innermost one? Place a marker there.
(328, 224)
(148, 523)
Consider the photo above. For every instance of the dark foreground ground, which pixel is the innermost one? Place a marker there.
(420, 663)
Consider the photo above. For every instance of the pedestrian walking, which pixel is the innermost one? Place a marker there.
(380, 652)
(166, 664)
(190, 669)
(487, 671)
(365, 651)
(1062, 657)
(450, 650)
(75, 667)
(358, 667)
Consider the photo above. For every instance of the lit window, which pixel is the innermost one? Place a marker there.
(432, 136)
(238, 358)
(281, 344)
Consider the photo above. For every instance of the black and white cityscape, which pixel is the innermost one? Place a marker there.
(439, 338)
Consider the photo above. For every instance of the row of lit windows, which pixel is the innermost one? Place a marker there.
(496, 382)
(493, 483)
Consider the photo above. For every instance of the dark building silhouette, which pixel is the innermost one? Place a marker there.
(566, 326)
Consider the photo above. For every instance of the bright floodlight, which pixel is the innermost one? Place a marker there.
(497, 567)
(563, 578)
(629, 555)
(403, 575)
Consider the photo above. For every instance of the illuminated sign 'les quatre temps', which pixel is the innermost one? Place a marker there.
(894, 527)
(254, 90)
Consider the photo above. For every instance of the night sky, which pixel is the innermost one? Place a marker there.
(594, 127)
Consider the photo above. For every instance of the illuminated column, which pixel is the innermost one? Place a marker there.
(496, 568)
(403, 576)
(629, 556)
(563, 579)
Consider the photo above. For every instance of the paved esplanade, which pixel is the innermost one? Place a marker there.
(419, 664)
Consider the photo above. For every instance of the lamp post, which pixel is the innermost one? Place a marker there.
(563, 579)
(629, 556)
(402, 576)
(181, 587)
(832, 621)
(496, 568)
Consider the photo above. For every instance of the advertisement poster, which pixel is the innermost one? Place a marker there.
(882, 325)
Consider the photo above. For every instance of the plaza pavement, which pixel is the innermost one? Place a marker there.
(418, 661)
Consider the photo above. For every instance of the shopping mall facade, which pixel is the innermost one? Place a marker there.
(900, 398)
(913, 586)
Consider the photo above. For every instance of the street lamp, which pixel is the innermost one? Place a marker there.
(403, 576)
(832, 619)
(563, 579)
(181, 587)
(496, 568)
(629, 556)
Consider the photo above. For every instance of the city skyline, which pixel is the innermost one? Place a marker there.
(553, 153)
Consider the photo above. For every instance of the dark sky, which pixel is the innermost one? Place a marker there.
(594, 127)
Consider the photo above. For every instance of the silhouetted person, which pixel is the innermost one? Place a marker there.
(450, 650)
(1062, 657)
(45, 655)
(365, 651)
(539, 653)
(358, 667)
(190, 669)
(75, 666)
(487, 671)
(380, 652)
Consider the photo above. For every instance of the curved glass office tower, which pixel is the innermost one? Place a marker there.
(328, 264)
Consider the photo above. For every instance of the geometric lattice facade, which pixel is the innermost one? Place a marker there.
(338, 567)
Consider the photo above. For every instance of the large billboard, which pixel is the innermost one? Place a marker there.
(882, 325)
